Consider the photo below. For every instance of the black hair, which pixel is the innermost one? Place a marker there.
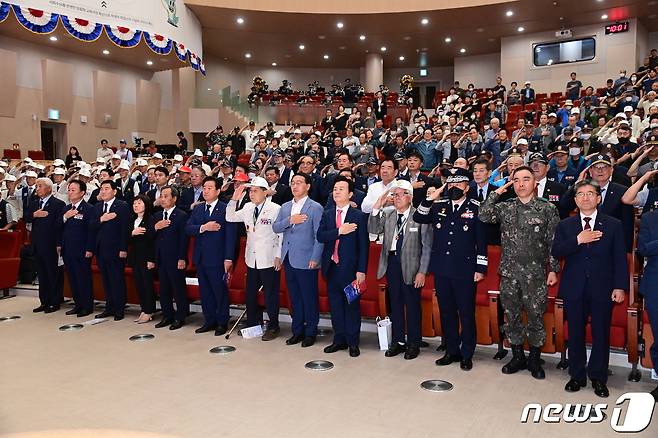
(148, 204)
(415, 153)
(174, 191)
(307, 178)
(110, 183)
(273, 168)
(482, 161)
(81, 184)
(180, 134)
(587, 182)
(395, 163)
(107, 170)
(162, 169)
(212, 179)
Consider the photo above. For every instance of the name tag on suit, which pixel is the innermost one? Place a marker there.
(79, 216)
(413, 230)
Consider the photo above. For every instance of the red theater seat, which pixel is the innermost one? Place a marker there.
(13, 154)
(10, 246)
(36, 155)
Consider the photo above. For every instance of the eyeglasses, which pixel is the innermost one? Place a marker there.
(399, 195)
(581, 195)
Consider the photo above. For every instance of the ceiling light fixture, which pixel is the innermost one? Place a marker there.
(106, 52)
(149, 62)
(401, 58)
(383, 48)
(604, 17)
(302, 47)
(326, 56)
(340, 25)
(448, 39)
(424, 21)
(462, 50)
(509, 13)
(240, 20)
(362, 37)
(247, 55)
(274, 64)
(520, 29)
(53, 38)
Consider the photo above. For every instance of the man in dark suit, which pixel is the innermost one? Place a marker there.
(647, 247)
(171, 240)
(458, 261)
(77, 246)
(419, 181)
(110, 228)
(344, 233)
(28, 192)
(527, 94)
(550, 190)
(161, 175)
(595, 275)
(214, 249)
(192, 196)
(44, 213)
(611, 196)
(479, 189)
(128, 187)
(279, 191)
(103, 175)
(357, 197)
(379, 106)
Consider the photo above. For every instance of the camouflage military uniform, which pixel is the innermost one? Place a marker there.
(526, 238)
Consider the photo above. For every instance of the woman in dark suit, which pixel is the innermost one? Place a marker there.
(72, 157)
(141, 256)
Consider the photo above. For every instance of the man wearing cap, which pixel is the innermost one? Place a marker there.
(262, 253)
(28, 191)
(527, 225)
(104, 151)
(77, 246)
(43, 213)
(277, 191)
(549, 190)
(527, 94)
(128, 187)
(285, 172)
(8, 214)
(611, 196)
(9, 195)
(362, 182)
(559, 167)
(344, 232)
(594, 277)
(110, 230)
(124, 153)
(634, 121)
(298, 221)
(59, 184)
(576, 160)
(250, 134)
(404, 259)
(216, 137)
(419, 181)
(458, 262)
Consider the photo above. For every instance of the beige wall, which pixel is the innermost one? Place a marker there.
(613, 52)
(79, 86)
(479, 70)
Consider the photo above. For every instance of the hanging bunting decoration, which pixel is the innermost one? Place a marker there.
(36, 20)
(123, 36)
(159, 44)
(4, 11)
(82, 29)
(194, 61)
(202, 67)
(181, 51)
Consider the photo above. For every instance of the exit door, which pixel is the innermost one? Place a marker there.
(53, 140)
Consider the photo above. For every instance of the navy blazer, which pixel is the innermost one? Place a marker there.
(170, 242)
(647, 247)
(111, 237)
(46, 231)
(186, 199)
(598, 266)
(26, 199)
(352, 248)
(211, 248)
(77, 234)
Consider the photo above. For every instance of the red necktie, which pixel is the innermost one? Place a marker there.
(339, 222)
(587, 225)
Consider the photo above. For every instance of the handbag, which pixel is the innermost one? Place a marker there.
(384, 332)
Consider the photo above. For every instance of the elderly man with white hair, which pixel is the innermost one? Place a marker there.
(60, 186)
(44, 213)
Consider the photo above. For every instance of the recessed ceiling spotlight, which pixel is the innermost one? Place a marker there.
(480, 29)
(240, 20)
(406, 38)
(520, 29)
(448, 39)
(149, 62)
(247, 55)
(424, 21)
(509, 13)
(274, 64)
(321, 37)
(105, 52)
(53, 38)
(362, 37)
(326, 56)
(209, 89)
(604, 17)
(383, 48)
(340, 25)
(342, 47)
(302, 47)
(401, 58)
(462, 50)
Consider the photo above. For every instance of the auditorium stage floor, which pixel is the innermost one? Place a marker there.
(171, 386)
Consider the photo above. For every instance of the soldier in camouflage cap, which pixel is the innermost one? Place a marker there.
(527, 224)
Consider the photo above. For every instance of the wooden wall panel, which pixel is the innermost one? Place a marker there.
(57, 88)
(148, 105)
(106, 99)
(9, 89)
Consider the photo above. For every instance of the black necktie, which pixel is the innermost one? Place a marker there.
(480, 195)
(105, 208)
(587, 225)
(400, 234)
(41, 205)
(455, 207)
(166, 215)
(208, 207)
(256, 212)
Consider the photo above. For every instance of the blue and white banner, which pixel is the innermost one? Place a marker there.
(82, 29)
(159, 44)
(36, 20)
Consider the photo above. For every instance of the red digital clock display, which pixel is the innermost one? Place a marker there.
(616, 28)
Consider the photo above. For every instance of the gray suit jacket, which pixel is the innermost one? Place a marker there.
(416, 246)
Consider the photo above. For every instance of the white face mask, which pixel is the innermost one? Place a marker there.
(633, 78)
(629, 98)
(621, 75)
(574, 151)
(585, 136)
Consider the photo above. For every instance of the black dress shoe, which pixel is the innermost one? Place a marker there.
(51, 309)
(600, 388)
(220, 330)
(176, 325)
(335, 347)
(412, 352)
(448, 358)
(206, 328)
(574, 385)
(354, 352)
(41, 308)
(294, 339)
(164, 322)
(308, 341)
(73, 311)
(103, 315)
(83, 313)
(466, 364)
(395, 349)
(118, 317)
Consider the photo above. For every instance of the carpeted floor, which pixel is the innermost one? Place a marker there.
(96, 383)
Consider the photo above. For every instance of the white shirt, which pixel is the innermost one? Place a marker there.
(604, 191)
(212, 205)
(405, 217)
(591, 222)
(343, 213)
(297, 206)
(458, 204)
(109, 204)
(138, 220)
(374, 192)
(75, 207)
(484, 188)
(541, 186)
(168, 212)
